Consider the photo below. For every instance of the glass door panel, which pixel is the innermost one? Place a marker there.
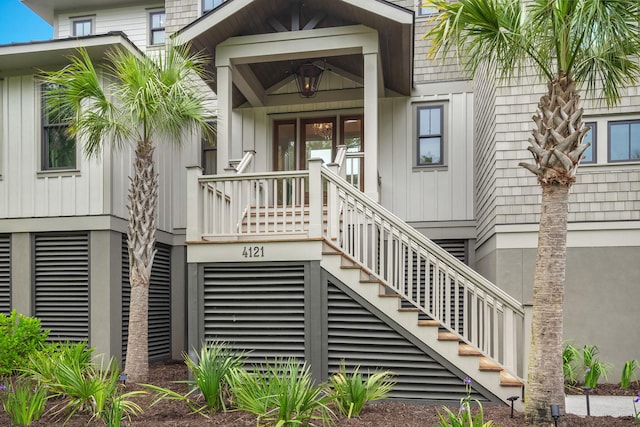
(318, 140)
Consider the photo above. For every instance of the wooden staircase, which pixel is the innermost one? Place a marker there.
(471, 360)
(419, 286)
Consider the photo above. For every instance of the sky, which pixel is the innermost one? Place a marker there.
(19, 24)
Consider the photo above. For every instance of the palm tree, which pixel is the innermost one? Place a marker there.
(569, 44)
(143, 98)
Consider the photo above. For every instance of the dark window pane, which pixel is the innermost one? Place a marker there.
(58, 148)
(429, 150)
(61, 149)
(590, 137)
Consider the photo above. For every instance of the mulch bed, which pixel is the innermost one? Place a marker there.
(384, 414)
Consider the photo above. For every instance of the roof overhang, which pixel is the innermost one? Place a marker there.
(35, 56)
(252, 18)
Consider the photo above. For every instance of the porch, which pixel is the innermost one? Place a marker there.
(317, 216)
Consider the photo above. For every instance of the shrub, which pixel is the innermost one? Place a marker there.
(281, 394)
(23, 401)
(583, 363)
(20, 336)
(211, 373)
(93, 390)
(351, 391)
(629, 373)
(43, 365)
(464, 418)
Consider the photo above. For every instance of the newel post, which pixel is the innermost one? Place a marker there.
(333, 205)
(526, 345)
(315, 198)
(194, 204)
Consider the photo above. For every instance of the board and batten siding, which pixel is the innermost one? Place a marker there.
(427, 193)
(26, 192)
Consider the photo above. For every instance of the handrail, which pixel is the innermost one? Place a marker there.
(341, 152)
(423, 274)
(246, 160)
(320, 203)
(385, 214)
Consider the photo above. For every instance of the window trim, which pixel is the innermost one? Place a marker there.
(204, 11)
(594, 144)
(610, 123)
(153, 30)
(417, 136)
(425, 14)
(82, 19)
(204, 150)
(44, 141)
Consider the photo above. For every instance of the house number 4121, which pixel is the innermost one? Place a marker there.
(253, 251)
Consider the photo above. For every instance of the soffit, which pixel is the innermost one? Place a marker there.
(33, 57)
(253, 17)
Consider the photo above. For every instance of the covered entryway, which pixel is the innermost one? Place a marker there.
(255, 45)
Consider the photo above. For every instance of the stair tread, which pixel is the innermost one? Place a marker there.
(409, 309)
(487, 364)
(468, 350)
(447, 336)
(508, 380)
(428, 322)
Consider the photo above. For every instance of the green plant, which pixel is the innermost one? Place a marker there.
(211, 371)
(583, 363)
(629, 372)
(464, 418)
(43, 364)
(23, 401)
(351, 391)
(570, 357)
(20, 336)
(92, 390)
(636, 411)
(210, 374)
(593, 368)
(281, 394)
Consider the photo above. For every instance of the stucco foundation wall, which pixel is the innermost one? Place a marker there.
(601, 305)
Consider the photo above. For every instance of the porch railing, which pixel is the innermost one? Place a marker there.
(320, 204)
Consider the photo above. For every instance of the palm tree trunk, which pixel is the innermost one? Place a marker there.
(143, 201)
(545, 385)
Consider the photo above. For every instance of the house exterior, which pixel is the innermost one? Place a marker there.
(410, 246)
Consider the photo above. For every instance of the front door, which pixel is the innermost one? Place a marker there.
(298, 140)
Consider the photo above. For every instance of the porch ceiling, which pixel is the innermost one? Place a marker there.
(233, 18)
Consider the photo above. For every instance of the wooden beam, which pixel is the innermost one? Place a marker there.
(276, 25)
(315, 21)
(245, 80)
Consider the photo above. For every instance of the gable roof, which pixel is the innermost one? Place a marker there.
(233, 18)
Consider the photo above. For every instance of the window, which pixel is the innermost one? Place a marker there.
(157, 22)
(430, 138)
(82, 27)
(425, 10)
(210, 154)
(208, 5)
(589, 156)
(624, 141)
(58, 148)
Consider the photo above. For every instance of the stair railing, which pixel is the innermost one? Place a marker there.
(425, 275)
